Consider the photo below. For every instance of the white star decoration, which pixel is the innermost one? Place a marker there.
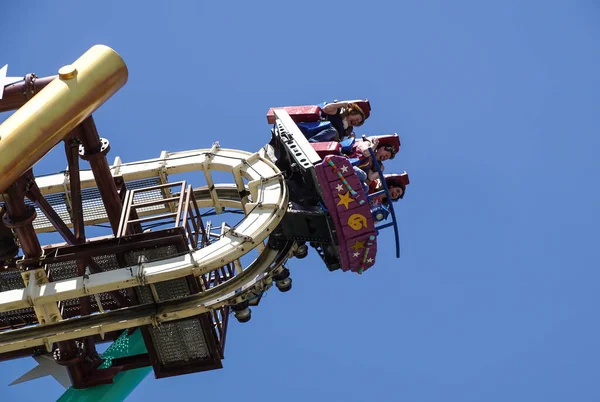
(339, 188)
(356, 254)
(370, 260)
(344, 169)
(4, 80)
(46, 366)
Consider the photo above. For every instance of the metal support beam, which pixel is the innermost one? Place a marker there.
(19, 217)
(132, 362)
(17, 94)
(115, 295)
(96, 156)
(71, 151)
(34, 194)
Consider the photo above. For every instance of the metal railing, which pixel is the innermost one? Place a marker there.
(390, 207)
(187, 213)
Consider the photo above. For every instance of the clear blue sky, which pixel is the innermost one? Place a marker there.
(496, 295)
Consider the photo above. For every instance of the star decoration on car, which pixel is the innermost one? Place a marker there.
(345, 199)
(339, 188)
(344, 169)
(358, 245)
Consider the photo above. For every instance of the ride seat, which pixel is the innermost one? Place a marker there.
(388, 139)
(327, 148)
(309, 113)
(299, 114)
(365, 106)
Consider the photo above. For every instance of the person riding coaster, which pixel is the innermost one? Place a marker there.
(331, 210)
(385, 147)
(364, 156)
(337, 120)
(396, 184)
(326, 121)
(378, 200)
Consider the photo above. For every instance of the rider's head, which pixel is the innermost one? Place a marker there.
(354, 115)
(387, 145)
(384, 152)
(396, 192)
(397, 185)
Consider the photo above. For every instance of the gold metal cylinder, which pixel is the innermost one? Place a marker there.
(35, 128)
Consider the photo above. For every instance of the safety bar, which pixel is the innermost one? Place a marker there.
(390, 206)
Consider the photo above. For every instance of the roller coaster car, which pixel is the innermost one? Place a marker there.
(328, 206)
(323, 149)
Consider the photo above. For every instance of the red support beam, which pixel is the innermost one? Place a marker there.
(96, 155)
(19, 217)
(35, 195)
(16, 95)
(72, 153)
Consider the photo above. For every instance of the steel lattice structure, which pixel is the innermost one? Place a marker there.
(163, 270)
(165, 280)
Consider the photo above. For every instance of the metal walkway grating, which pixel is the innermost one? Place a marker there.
(93, 206)
(62, 270)
(177, 342)
(180, 341)
(182, 346)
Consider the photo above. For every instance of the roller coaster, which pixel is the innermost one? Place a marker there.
(164, 283)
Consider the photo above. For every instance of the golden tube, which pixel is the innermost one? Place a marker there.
(36, 127)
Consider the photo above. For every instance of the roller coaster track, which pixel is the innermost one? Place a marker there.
(177, 285)
(263, 208)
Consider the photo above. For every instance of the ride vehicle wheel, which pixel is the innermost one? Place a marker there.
(242, 312)
(301, 252)
(284, 285)
(284, 274)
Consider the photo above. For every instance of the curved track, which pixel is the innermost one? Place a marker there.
(263, 209)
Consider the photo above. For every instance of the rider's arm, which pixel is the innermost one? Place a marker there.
(363, 147)
(373, 175)
(332, 108)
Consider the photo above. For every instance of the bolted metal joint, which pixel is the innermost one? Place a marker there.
(87, 154)
(26, 218)
(67, 356)
(29, 88)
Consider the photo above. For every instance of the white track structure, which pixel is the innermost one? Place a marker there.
(263, 209)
